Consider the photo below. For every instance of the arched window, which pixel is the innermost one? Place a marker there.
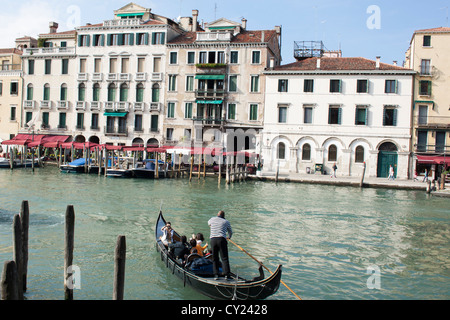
(124, 92)
(30, 92)
(112, 92)
(63, 95)
(81, 92)
(359, 154)
(306, 152)
(281, 152)
(140, 93)
(155, 93)
(96, 92)
(332, 153)
(46, 92)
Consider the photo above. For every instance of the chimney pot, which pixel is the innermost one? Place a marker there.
(318, 63)
(53, 27)
(244, 23)
(377, 65)
(194, 20)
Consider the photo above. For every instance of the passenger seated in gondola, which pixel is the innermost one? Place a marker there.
(179, 250)
(167, 236)
(200, 238)
(195, 246)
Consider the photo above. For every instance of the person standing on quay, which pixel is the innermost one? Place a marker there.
(333, 175)
(219, 244)
(391, 173)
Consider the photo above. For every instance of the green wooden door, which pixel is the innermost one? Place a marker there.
(386, 159)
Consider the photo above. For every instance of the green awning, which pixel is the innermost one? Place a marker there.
(210, 77)
(140, 14)
(209, 101)
(221, 28)
(116, 114)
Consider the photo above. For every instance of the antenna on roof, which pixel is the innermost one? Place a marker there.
(446, 19)
(215, 11)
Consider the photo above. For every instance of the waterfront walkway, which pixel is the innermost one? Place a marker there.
(369, 182)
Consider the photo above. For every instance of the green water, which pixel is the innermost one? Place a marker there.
(325, 237)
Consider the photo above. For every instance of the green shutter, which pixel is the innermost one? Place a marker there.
(108, 40)
(102, 40)
(79, 40)
(88, 41)
(339, 115)
(395, 118)
(146, 36)
(131, 39)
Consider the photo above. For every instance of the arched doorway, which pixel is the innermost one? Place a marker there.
(152, 142)
(138, 142)
(80, 138)
(94, 139)
(387, 156)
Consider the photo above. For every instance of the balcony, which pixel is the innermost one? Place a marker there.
(112, 77)
(82, 77)
(432, 122)
(116, 131)
(96, 106)
(122, 22)
(211, 121)
(97, 76)
(156, 76)
(62, 105)
(124, 76)
(141, 76)
(432, 148)
(155, 106)
(49, 51)
(425, 70)
(117, 106)
(46, 104)
(210, 94)
(29, 105)
(81, 106)
(139, 106)
(214, 36)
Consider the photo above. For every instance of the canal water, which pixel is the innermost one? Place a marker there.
(333, 242)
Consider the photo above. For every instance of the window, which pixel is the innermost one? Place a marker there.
(306, 152)
(233, 84)
(220, 57)
(234, 57)
(63, 92)
(359, 154)
(282, 85)
(96, 92)
(335, 85)
(427, 41)
(138, 122)
(361, 116)
(155, 93)
(282, 114)
(14, 88)
(141, 65)
(30, 66)
(171, 110)
(123, 95)
(334, 114)
(97, 65)
(28, 117)
(48, 66)
(172, 83)
(308, 85)
(332, 153)
(188, 110)
(45, 119)
(84, 40)
(13, 113)
(422, 140)
(390, 116)
(158, 37)
(173, 58)
(140, 93)
(94, 121)
(281, 151)
(62, 121)
(391, 86)
(189, 83)
(190, 57)
(425, 67)
(362, 86)
(253, 112)
(169, 134)
(81, 92)
(125, 65)
(231, 115)
(202, 58)
(425, 88)
(99, 40)
(154, 123)
(1, 88)
(46, 92)
(80, 121)
(65, 66)
(307, 114)
(113, 65)
(256, 57)
(141, 39)
(112, 92)
(82, 65)
(30, 92)
(254, 84)
(423, 115)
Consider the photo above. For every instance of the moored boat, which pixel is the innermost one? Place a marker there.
(221, 289)
(147, 169)
(76, 166)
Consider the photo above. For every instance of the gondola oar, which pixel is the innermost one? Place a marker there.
(263, 266)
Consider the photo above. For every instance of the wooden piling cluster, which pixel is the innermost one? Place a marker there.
(13, 283)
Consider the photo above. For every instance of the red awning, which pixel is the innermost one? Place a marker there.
(433, 160)
(49, 141)
(23, 139)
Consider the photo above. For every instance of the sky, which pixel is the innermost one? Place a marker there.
(360, 28)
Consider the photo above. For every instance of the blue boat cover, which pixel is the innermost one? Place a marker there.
(78, 162)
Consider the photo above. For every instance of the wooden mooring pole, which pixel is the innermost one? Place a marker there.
(9, 282)
(68, 253)
(119, 268)
(25, 221)
(18, 253)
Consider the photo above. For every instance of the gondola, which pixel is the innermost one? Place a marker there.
(237, 288)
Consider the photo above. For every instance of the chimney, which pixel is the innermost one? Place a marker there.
(244, 23)
(395, 63)
(53, 27)
(377, 65)
(318, 63)
(194, 20)
(272, 63)
(263, 36)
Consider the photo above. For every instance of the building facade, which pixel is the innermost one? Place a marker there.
(11, 117)
(215, 86)
(345, 111)
(428, 56)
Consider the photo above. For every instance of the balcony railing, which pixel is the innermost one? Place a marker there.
(62, 105)
(49, 51)
(116, 131)
(125, 76)
(213, 36)
(29, 104)
(432, 148)
(46, 104)
(122, 22)
(97, 76)
(141, 76)
(208, 120)
(425, 70)
(81, 105)
(432, 122)
(96, 106)
(155, 106)
(139, 106)
(210, 94)
(156, 76)
(82, 77)
(10, 67)
(117, 106)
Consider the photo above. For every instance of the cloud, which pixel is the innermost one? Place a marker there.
(28, 19)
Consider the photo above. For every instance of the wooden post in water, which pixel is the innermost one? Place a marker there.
(192, 165)
(361, 184)
(32, 160)
(68, 253)
(119, 268)
(25, 220)
(199, 165)
(220, 167)
(18, 253)
(9, 282)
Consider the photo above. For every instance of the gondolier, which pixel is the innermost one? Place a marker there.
(219, 244)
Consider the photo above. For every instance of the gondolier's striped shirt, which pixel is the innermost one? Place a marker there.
(219, 227)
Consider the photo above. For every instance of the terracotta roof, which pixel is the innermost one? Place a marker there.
(243, 37)
(10, 51)
(71, 32)
(335, 64)
(440, 29)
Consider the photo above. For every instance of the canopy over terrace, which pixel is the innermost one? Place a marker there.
(34, 140)
(434, 160)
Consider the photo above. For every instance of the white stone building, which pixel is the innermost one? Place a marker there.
(348, 111)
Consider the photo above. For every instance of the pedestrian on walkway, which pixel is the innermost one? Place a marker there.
(425, 178)
(333, 175)
(391, 173)
(219, 244)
